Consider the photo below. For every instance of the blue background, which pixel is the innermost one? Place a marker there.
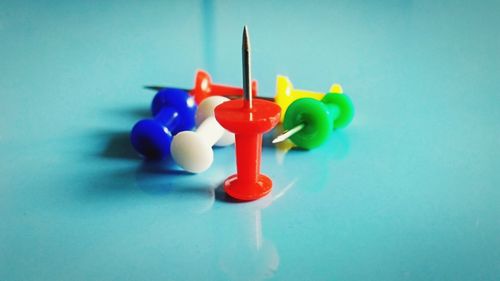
(410, 191)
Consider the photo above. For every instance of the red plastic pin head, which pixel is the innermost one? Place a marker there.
(204, 87)
(248, 125)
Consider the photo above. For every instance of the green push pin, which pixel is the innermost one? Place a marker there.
(309, 122)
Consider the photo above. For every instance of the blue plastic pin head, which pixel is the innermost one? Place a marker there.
(174, 111)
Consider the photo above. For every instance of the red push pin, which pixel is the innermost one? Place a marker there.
(248, 120)
(204, 88)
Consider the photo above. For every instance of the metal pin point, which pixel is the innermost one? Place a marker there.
(287, 134)
(246, 62)
(159, 88)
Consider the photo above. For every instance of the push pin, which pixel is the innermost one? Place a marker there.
(309, 122)
(286, 94)
(193, 150)
(204, 87)
(173, 111)
(248, 119)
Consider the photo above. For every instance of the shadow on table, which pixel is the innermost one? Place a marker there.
(222, 196)
(193, 193)
(133, 113)
(150, 182)
(118, 146)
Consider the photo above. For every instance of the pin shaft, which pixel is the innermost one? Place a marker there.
(287, 134)
(159, 88)
(246, 63)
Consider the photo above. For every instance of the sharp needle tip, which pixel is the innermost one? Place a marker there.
(286, 134)
(280, 138)
(154, 88)
(246, 39)
(247, 76)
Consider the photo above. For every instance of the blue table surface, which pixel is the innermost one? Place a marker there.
(409, 191)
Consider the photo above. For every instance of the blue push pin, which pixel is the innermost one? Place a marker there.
(174, 111)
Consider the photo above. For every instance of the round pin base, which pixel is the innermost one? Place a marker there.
(261, 188)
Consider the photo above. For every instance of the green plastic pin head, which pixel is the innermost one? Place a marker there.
(334, 111)
(344, 106)
(317, 123)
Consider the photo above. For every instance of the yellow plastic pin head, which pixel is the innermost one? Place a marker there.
(336, 89)
(283, 93)
(286, 94)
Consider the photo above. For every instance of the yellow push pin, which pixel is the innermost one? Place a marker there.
(286, 94)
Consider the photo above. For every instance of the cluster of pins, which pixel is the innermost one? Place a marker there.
(226, 114)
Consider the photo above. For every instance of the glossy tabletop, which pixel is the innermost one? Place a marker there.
(409, 191)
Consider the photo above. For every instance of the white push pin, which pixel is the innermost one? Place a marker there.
(193, 150)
